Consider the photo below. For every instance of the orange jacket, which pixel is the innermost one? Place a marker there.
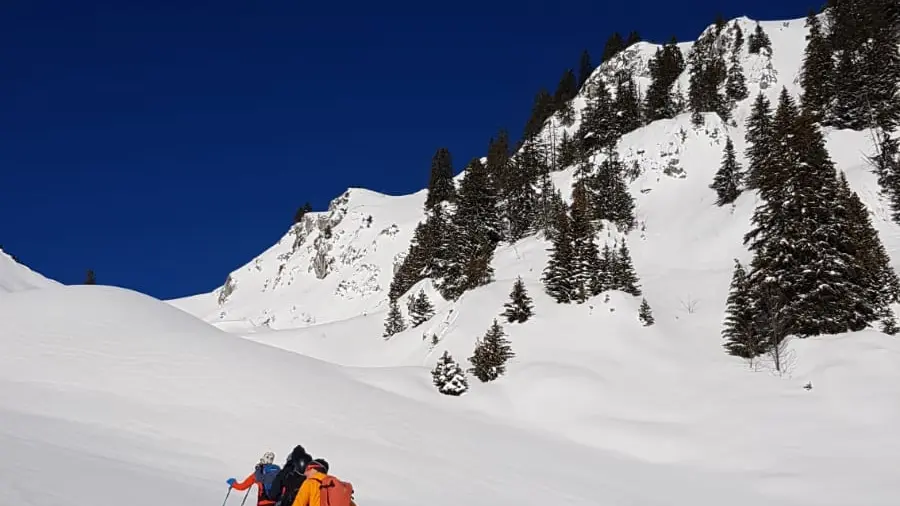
(248, 482)
(309, 495)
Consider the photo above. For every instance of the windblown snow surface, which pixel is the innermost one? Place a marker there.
(120, 397)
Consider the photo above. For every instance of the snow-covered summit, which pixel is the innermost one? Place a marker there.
(338, 264)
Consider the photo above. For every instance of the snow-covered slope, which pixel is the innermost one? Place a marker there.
(15, 277)
(110, 394)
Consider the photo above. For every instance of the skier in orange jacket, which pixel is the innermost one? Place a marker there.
(262, 475)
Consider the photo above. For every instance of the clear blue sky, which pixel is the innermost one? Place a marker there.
(165, 143)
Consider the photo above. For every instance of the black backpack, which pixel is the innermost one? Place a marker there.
(293, 478)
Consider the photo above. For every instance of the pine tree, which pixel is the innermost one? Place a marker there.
(565, 92)
(586, 256)
(552, 205)
(613, 45)
(598, 128)
(441, 187)
(611, 199)
(735, 84)
(606, 269)
(759, 141)
(623, 275)
(394, 323)
(520, 306)
(729, 179)
(498, 163)
(864, 36)
(665, 67)
(420, 309)
(521, 199)
(816, 74)
(301, 212)
(887, 166)
(742, 338)
(449, 377)
(759, 40)
(540, 111)
(707, 73)
(561, 265)
(428, 254)
(802, 236)
(877, 274)
(91, 279)
(645, 314)
(568, 151)
(720, 24)
(889, 325)
(585, 68)
(474, 231)
(738, 38)
(491, 354)
(627, 104)
(633, 38)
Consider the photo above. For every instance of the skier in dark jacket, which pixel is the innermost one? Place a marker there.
(291, 476)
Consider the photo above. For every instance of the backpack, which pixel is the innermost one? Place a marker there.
(265, 474)
(334, 492)
(293, 478)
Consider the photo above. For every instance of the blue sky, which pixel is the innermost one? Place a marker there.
(165, 143)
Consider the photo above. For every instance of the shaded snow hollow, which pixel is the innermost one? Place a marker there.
(119, 395)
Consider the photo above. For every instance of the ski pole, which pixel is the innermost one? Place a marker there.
(226, 495)
(245, 496)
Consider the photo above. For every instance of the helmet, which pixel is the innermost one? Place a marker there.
(267, 458)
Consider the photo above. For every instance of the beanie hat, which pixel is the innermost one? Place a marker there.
(267, 458)
(320, 464)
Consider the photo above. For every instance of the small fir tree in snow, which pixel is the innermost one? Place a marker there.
(708, 71)
(742, 340)
(738, 38)
(627, 103)
(449, 377)
(598, 129)
(91, 279)
(394, 322)
(519, 308)
(665, 67)
(491, 354)
(560, 268)
(420, 309)
(735, 83)
(623, 276)
(608, 262)
(645, 314)
(758, 40)
(818, 66)
(614, 44)
(889, 325)
(759, 141)
(441, 187)
(584, 250)
(728, 181)
(585, 68)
